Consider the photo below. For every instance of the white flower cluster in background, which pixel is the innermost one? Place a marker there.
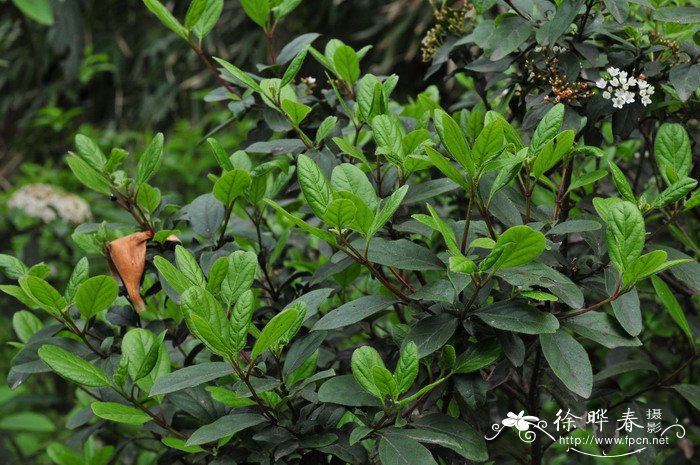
(620, 88)
(48, 203)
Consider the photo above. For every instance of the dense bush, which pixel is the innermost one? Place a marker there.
(372, 279)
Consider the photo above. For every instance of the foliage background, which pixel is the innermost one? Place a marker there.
(109, 70)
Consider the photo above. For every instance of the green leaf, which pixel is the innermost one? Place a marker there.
(13, 267)
(90, 152)
(625, 230)
(320, 233)
(621, 182)
(38, 10)
(586, 179)
(407, 367)
(220, 154)
(431, 333)
(206, 319)
(388, 136)
(385, 382)
(518, 317)
(284, 7)
(470, 443)
(388, 209)
(88, 175)
(516, 246)
(672, 151)
(229, 397)
(239, 74)
(454, 141)
(296, 111)
(685, 78)
(229, 186)
(445, 231)
(166, 17)
(190, 376)
(350, 178)
(644, 266)
(30, 422)
(351, 312)
(172, 275)
(675, 192)
(62, 455)
(364, 359)
(488, 143)
(569, 361)
(294, 67)
(274, 331)
(148, 197)
(395, 448)
(224, 426)
(25, 325)
(179, 444)
(96, 294)
(72, 367)
(119, 413)
(601, 328)
(680, 15)
(691, 393)
(347, 64)
(444, 165)
(258, 11)
(512, 32)
(325, 128)
(208, 18)
(194, 12)
(189, 267)
(241, 316)
(618, 9)
(478, 356)
(370, 96)
(242, 267)
(345, 390)
(314, 185)
(340, 213)
(141, 349)
(547, 129)
(43, 294)
(150, 160)
(669, 301)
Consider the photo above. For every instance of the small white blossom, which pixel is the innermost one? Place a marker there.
(620, 88)
(48, 203)
(311, 80)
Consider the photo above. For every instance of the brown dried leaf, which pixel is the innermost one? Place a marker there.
(127, 260)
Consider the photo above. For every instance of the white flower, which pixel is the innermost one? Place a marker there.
(520, 421)
(613, 71)
(618, 102)
(311, 80)
(606, 95)
(601, 83)
(48, 203)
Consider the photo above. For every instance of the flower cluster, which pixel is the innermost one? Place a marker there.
(48, 202)
(620, 88)
(450, 21)
(546, 71)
